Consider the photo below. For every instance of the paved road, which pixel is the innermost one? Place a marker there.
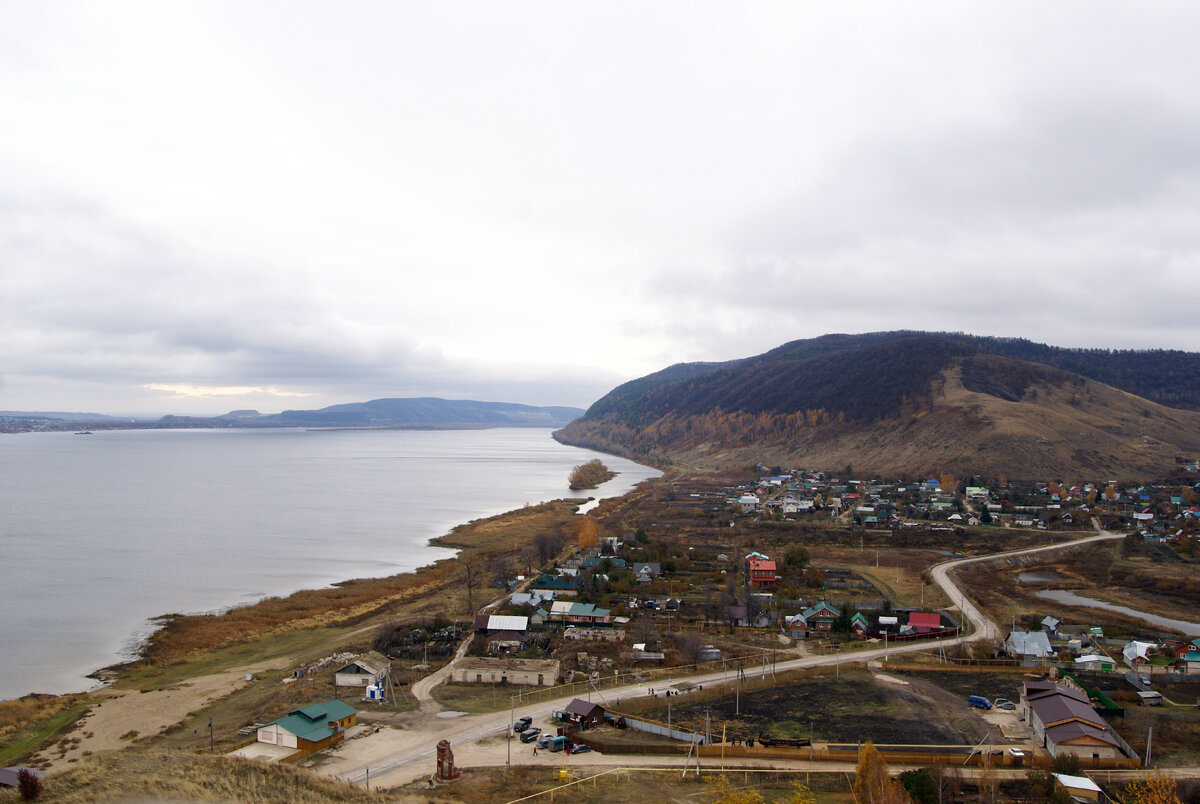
(472, 728)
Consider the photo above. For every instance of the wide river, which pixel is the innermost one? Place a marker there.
(100, 533)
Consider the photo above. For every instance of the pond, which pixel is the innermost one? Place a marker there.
(1039, 576)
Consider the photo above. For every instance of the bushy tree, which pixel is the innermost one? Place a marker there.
(872, 782)
(1153, 788)
(796, 557)
(723, 792)
(920, 786)
(801, 795)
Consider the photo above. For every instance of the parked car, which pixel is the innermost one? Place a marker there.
(557, 744)
(581, 749)
(544, 742)
(522, 724)
(530, 734)
(1003, 703)
(979, 702)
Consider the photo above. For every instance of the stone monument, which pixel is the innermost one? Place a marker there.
(445, 763)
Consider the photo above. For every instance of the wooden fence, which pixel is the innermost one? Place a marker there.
(996, 756)
(984, 666)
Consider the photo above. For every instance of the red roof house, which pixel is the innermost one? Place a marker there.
(762, 572)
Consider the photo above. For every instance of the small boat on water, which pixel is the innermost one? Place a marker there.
(83, 432)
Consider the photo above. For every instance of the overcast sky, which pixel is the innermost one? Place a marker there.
(219, 205)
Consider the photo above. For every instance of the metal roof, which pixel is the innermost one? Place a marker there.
(507, 622)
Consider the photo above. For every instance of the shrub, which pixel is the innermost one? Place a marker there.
(29, 785)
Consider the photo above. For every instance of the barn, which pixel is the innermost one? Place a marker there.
(312, 728)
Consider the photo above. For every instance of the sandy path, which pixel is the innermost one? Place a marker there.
(116, 713)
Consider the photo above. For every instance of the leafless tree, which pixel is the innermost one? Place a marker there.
(471, 570)
(690, 645)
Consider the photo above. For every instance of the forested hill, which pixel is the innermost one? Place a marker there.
(869, 376)
(427, 412)
(831, 388)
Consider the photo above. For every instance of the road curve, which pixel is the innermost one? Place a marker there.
(471, 728)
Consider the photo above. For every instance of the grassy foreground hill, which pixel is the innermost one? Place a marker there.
(909, 403)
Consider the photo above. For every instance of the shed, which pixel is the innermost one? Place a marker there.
(1150, 697)
(584, 714)
(370, 668)
(1079, 787)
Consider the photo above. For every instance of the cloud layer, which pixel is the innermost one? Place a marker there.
(210, 206)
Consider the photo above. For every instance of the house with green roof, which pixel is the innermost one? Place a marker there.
(820, 617)
(561, 585)
(579, 613)
(312, 728)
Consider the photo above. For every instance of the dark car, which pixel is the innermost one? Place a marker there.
(581, 749)
(521, 724)
(530, 734)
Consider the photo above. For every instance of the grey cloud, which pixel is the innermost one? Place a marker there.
(87, 297)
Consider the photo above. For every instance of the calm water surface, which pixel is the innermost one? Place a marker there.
(99, 533)
(1072, 599)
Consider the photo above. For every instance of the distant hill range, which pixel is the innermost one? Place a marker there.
(912, 403)
(428, 413)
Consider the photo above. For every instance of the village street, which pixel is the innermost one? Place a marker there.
(392, 757)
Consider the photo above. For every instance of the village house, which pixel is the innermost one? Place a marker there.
(503, 633)
(560, 585)
(565, 611)
(1064, 722)
(820, 617)
(761, 571)
(646, 571)
(1028, 645)
(584, 714)
(1137, 654)
(922, 622)
(534, 598)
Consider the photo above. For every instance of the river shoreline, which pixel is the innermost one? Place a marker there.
(116, 530)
